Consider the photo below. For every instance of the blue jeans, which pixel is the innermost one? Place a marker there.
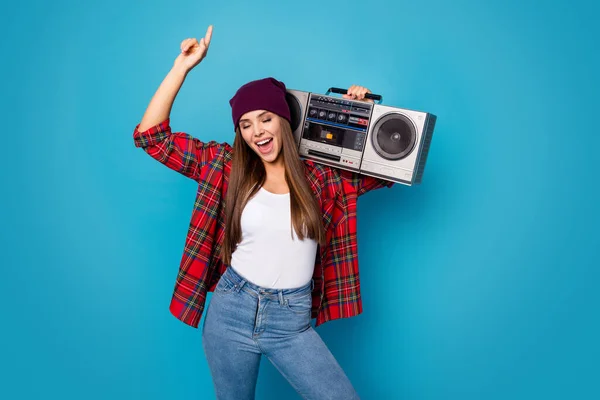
(243, 321)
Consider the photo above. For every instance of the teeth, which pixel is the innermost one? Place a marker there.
(263, 142)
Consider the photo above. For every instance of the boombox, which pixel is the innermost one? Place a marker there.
(386, 142)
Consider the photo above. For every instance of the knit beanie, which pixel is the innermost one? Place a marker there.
(262, 94)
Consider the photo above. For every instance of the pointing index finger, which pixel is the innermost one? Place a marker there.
(208, 35)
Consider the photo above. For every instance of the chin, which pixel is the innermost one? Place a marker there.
(271, 158)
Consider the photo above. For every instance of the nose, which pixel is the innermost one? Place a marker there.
(258, 131)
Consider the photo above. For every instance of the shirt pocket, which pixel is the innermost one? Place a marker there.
(327, 206)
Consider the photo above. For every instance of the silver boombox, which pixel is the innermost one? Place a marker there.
(386, 142)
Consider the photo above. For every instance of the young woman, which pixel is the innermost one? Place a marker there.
(273, 236)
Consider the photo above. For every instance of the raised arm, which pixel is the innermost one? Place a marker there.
(177, 150)
(159, 109)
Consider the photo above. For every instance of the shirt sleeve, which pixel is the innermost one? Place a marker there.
(177, 150)
(363, 183)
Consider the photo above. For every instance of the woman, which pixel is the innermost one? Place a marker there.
(273, 236)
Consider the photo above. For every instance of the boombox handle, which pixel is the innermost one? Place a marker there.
(371, 96)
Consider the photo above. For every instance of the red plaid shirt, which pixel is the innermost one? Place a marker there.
(336, 292)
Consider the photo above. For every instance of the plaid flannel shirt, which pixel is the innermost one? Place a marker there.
(336, 293)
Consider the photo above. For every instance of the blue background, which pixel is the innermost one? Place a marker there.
(481, 283)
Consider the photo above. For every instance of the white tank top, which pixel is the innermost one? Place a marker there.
(268, 255)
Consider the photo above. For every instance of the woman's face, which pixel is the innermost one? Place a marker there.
(264, 127)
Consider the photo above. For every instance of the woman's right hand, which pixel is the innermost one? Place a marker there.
(192, 51)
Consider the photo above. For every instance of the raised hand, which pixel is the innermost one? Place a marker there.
(192, 51)
(356, 92)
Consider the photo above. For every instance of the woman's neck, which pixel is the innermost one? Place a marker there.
(275, 172)
(275, 181)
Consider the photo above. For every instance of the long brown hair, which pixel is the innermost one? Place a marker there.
(248, 175)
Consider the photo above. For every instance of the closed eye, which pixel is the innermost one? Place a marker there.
(248, 126)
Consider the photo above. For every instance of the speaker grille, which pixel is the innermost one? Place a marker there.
(394, 136)
(295, 110)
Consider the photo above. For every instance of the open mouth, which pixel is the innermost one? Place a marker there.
(265, 146)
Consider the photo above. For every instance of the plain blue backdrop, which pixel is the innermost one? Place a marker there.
(481, 283)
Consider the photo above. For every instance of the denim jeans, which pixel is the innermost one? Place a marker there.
(243, 321)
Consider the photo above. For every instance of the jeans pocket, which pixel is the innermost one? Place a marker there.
(224, 285)
(299, 305)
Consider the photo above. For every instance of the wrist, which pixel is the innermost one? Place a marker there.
(180, 71)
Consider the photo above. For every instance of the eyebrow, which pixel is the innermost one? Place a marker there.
(259, 115)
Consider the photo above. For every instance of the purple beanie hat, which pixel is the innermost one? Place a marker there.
(262, 94)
